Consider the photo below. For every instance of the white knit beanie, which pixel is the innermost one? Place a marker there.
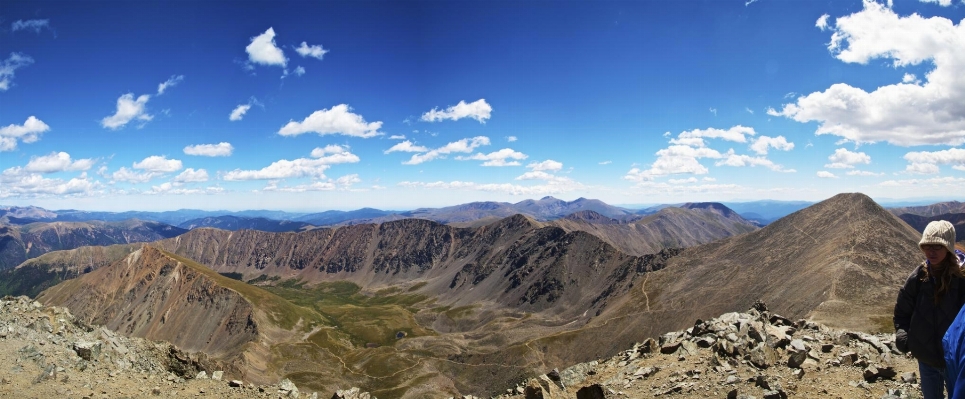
(939, 232)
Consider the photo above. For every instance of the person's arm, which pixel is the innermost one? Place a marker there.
(904, 307)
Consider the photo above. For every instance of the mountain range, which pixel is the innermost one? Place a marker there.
(404, 304)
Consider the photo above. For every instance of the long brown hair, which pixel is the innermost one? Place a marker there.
(944, 272)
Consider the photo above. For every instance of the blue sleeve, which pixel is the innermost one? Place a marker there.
(954, 344)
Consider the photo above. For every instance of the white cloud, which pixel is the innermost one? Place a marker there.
(33, 24)
(910, 78)
(690, 141)
(737, 160)
(300, 70)
(822, 22)
(9, 66)
(337, 120)
(682, 181)
(190, 175)
(605, 162)
(844, 159)
(158, 164)
(552, 187)
(173, 81)
(314, 51)
(478, 110)
(511, 139)
(925, 162)
(826, 175)
(902, 113)
(945, 184)
(239, 112)
(461, 146)
(675, 159)
(29, 132)
(126, 175)
(749, 111)
(301, 167)
(497, 158)
(406, 146)
(863, 173)
(263, 50)
(128, 109)
(397, 137)
(943, 3)
(57, 162)
(548, 164)
(713, 111)
(761, 145)
(16, 183)
(737, 134)
(222, 149)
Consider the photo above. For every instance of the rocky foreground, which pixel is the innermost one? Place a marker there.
(46, 353)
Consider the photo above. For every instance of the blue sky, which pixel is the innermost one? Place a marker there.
(309, 106)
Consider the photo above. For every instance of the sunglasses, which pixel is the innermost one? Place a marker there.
(932, 247)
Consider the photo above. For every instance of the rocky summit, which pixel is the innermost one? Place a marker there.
(46, 352)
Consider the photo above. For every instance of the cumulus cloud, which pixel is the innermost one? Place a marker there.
(29, 132)
(9, 66)
(826, 175)
(342, 183)
(221, 149)
(822, 22)
(57, 162)
(675, 159)
(511, 139)
(926, 162)
(479, 110)
(239, 112)
(32, 24)
(406, 146)
(761, 145)
(16, 182)
(336, 120)
(902, 113)
(127, 175)
(462, 146)
(943, 3)
(314, 51)
(738, 160)
(262, 50)
(548, 164)
(190, 175)
(844, 159)
(158, 163)
(128, 109)
(301, 167)
(503, 157)
(737, 134)
(173, 81)
(299, 71)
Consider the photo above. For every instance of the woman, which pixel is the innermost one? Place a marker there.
(928, 303)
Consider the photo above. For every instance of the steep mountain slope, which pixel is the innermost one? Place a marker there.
(839, 262)
(671, 227)
(233, 223)
(37, 274)
(159, 296)
(19, 243)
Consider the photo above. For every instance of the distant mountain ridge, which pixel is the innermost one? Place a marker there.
(19, 243)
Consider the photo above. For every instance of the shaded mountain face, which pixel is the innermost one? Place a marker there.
(159, 296)
(671, 227)
(239, 223)
(19, 243)
(839, 262)
(920, 222)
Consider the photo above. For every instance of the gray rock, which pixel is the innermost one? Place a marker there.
(88, 350)
(217, 375)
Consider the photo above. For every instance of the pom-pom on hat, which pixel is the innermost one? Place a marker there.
(939, 232)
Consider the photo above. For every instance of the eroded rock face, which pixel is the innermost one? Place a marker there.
(153, 296)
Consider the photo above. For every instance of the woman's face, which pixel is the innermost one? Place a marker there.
(934, 253)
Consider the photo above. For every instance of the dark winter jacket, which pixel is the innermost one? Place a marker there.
(954, 343)
(920, 324)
